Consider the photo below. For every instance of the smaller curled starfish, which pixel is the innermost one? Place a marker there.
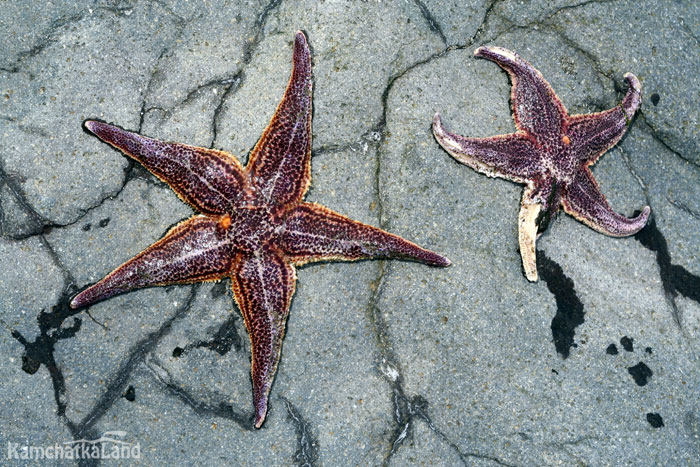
(253, 226)
(550, 153)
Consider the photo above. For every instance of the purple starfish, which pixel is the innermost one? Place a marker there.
(551, 153)
(253, 228)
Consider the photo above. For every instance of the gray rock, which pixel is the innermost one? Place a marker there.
(384, 362)
(61, 170)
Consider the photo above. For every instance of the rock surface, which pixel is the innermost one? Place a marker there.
(389, 363)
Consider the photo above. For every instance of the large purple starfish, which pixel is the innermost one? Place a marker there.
(253, 227)
(551, 153)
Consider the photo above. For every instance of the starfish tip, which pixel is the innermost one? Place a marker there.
(496, 54)
(259, 418)
(438, 129)
(75, 303)
(300, 39)
(632, 81)
(90, 125)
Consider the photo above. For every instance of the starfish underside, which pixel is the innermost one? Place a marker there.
(253, 228)
(550, 152)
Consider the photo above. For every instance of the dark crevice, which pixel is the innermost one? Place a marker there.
(117, 386)
(684, 208)
(234, 83)
(170, 11)
(570, 312)
(379, 127)
(41, 351)
(37, 222)
(403, 407)
(219, 289)
(377, 134)
(49, 35)
(688, 31)
(40, 225)
(231, 88)
(224, 338)
(224, 82)
(482, 26)
(154, 73)
(117, 10)
(306, 454)
(661, 139)
(433, 24)
(27, 129)
(674, 278)
(409, 410)
(47, 39)
(221, 409)
(555, 12)
(406, 410)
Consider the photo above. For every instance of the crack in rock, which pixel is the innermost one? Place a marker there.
(674, 278)
(221, 409)
(224, 338)
(306, 454)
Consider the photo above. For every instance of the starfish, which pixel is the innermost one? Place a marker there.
(253, 226)
(550, 153)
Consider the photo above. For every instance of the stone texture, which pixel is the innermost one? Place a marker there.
(389, 363)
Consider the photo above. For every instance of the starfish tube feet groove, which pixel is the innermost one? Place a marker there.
(551, 153)
(253, 225)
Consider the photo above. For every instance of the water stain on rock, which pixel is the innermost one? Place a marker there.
(655, 420)
(130, 394)
(627, 344)
(569, 308)
(641, 373)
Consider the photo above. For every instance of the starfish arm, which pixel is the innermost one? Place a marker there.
(263, 285)
(527, 233)
(536, 108)
(312, 232)
(511, 156)
(583, 200)
(593, 134)
(280, 163)
(211, 181)
(194, 250)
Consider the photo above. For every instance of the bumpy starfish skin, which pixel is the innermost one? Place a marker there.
(551, 153)
(254, 227)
